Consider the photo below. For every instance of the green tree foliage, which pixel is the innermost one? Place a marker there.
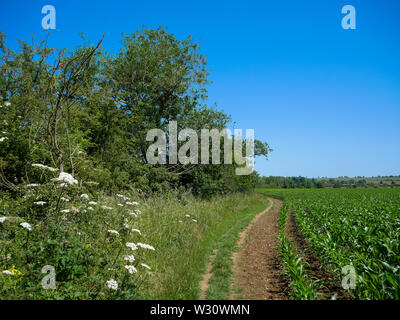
(87, 112)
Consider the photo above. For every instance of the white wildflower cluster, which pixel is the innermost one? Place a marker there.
(26, 225)
(32, 185)
(84, 196)
(131, 269)
(40, 203)
(2, 219)
(64, 199)
(93, 203)
(106, 208)
(66, 178)
(7, 272)
(129, 258)
(44, 167)
(112, 284)
(3, 139)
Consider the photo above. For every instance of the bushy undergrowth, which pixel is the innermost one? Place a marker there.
(106, 246)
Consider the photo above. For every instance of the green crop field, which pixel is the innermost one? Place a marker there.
(345, 227)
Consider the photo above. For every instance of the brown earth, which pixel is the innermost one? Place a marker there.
(204, 283)
(257, 269)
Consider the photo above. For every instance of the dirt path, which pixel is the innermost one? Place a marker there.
(204, 283)
(257, 270)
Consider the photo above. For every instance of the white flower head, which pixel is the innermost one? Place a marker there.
(2, 219)
(112, 284)
(145, 246)
(3, 139)
(134, 203)
(7, 272)
(136, 230)
(120, 204)
(194, 220)
(145, 265)
(66, 177)
(131, 269)
(43, 167)
(32, 185)
(40, 203)
(93, 203)
(131, 245)
(65, 211)
(106, 208)
(113, 232)
(85, 196)
(187, 215)
(64, 199)
(7, 103)
(129, 257)
(26, 225)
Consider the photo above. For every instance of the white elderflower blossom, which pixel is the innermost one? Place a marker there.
(85, 196)
(3, 139)
(7, 272)
(145, 265)
(40, 203)
(66, 177)
(113, 232)
(145, 246)
(131, 245)
(112, 284)
(131, 269)
(26, 225)
(129, 257)
(2, 219)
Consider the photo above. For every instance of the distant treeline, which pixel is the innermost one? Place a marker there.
(303, 182)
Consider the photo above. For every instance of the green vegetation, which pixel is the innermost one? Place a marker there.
(355, 227)
(221, 279)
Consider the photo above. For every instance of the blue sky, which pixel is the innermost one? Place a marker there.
(326, 99)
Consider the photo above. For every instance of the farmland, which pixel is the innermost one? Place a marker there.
(344, 227)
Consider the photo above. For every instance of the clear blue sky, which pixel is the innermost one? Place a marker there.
(326, 99)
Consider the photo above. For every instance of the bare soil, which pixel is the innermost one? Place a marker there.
(257, 269)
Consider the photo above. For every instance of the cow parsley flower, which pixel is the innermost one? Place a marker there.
(187, 215)
(7, 104)
(131, 245)
(2, 219)
(145, 246)
(120, 204)
(93, 203)
(113, 232)
(66, 177)
(40, 203)
(3, 139)
(131, 269)
(32, 185)
(129, 257)
(145, 265)
(26, 225)
(65, 211)
(136, 230)
(85, 196)
(194, 220)
(134, 203)
(42, 166)
(64, 199)
(90, 208)
(106, 208)
(112, 284)
(7, 272)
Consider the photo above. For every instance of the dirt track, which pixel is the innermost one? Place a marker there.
(257, 270)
